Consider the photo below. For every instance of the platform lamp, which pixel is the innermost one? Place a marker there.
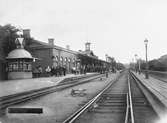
(146, 73)
(136, 63)
(139, 60)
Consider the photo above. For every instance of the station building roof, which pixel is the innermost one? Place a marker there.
(19, 53)
(36, 44)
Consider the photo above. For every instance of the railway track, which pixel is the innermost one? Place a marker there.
(142, 110)
(9, 100)
(109, 104)
(120, 102)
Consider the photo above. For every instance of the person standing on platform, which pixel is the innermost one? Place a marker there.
(48, 70)
(40, 70)
(64, 70)
(74, 70)
(106, 74)
(35, 72)
(60, 70)
(52, 71)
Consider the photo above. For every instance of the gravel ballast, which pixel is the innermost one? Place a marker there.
(59, 105)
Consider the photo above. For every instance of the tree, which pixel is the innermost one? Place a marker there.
(156, 65)
(8, 35)
(120, 66)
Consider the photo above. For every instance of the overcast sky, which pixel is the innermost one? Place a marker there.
(114, 27)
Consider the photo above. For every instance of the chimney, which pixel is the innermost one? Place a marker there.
(68, 47)
(87, 46)
(26, 33)
(51, 41)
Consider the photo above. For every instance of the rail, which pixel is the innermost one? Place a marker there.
(76, 78)
(127, 108)
(130, 101)
(75, 115)
(6, 101)
(162, 108)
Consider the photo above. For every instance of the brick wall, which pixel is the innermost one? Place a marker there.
(67, 58)
(44, 58)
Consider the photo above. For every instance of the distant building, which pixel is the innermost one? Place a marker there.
(88, 51)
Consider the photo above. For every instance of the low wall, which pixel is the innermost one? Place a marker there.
(19, 75)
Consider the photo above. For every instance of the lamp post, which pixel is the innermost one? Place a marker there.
(139, 66)
(136, 62)
(133, 66)
(146, 73)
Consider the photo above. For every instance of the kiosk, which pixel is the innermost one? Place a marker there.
(19, 62)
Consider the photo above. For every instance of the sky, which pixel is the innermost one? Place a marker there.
(114, 27)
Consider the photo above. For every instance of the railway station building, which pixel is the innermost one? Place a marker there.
(48, 54)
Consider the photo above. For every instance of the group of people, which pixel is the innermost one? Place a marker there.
(49, 71)
(37, 71)
(61, 70)
(84, 69)
(58, 71)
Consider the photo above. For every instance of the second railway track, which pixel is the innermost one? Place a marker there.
(13, 99)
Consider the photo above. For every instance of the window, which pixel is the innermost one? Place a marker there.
(24, 67)
(10, 67)
(57, 58)
(15, 67)
(29, 67)
(66, 60)
(61, 59)
(73, 60)
(69, 60)
(19, 66)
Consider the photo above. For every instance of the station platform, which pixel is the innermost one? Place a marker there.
(9, 87)
(157, 87)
